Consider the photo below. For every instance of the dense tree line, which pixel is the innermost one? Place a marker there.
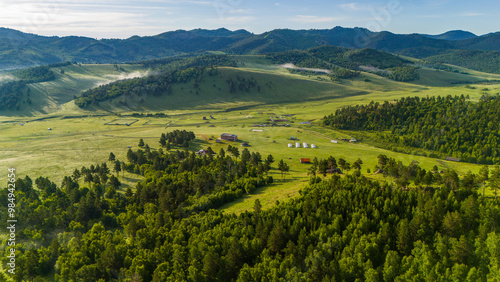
(342, 228)
(35, 74)
(172, 71)
(448, 126)
(403, 73)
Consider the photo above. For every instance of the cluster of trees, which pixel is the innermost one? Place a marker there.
(343, 73)
(172, 71)
(11, 94)
(403, 73)
(446, 126)
(177, 138)
(35, 74)
(182, 183)
(443, 67)
(299, 58)
(342, 228)
(242, 84)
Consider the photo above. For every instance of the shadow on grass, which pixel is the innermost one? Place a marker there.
(259, 191)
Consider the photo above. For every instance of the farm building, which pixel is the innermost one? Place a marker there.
(305, 160)
(290, 145)
(334, 141)
(305, 145)
(297, 145)
(313, 146)
(202, 152)
(452, 159)
(292, 138)
(353, 140)
(229, 137)
(218, 141)
(245, 144)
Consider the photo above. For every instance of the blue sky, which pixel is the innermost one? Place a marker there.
(122, 19)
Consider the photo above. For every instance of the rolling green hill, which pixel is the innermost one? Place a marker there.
(51, 96)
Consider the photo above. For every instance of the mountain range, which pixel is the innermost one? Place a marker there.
(18, 49)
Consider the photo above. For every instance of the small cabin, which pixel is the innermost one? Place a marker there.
(245, 144)
(290, 145)
(229, 137)
(305, 160)
(297, 145)
(305, 145)
(313, 146)
(202, 152)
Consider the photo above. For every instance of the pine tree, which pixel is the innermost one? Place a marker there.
(495, 179)
(484, 176)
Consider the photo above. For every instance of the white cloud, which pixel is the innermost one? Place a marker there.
(233, 20)
(472, 14)
(315, 19)
(241, 11)
(350, 7)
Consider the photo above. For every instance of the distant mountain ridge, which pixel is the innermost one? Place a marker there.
(453, 35)
(18, 49)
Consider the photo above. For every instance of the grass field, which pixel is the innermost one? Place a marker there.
(81, 137)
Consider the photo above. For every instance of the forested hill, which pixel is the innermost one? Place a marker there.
(12, 92)
(342, 228)
(171, 71)
(346, 62)
(19, 49)
(448, 126)
(486, 61)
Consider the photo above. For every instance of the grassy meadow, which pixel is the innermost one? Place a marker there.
(81, 137)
